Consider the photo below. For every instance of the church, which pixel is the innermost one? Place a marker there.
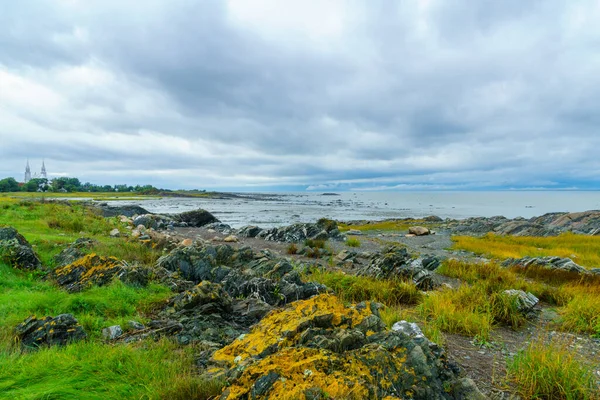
(42, 174)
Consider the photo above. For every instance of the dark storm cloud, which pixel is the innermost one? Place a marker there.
(344, 94)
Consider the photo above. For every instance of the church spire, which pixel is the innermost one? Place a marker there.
(43, 174)
(27, 172)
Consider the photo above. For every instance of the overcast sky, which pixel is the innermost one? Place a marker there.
(301, 94)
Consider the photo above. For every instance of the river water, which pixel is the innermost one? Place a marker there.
(278, 209)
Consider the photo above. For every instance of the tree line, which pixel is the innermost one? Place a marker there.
(70, 185)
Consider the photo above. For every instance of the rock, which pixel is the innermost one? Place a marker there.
(354, 232)
(433, 218)
(249, 231)
(553, 263)
(525, 301)
(242, 272)
(115, 211)
(73, 252)
(409, 235)
(187, 242)
(345, 255)
(466, 389)
(135, 325)
(196, 218)
(408, 328)
(97, 270)
(16, 251)
(219, 227)
(205, 298)
(124, 219)
(231, 239)
(396, 263)
(319, 346)
(418, 230)
(112, 332)
(115, 233)
(296, 233)
(50, 331)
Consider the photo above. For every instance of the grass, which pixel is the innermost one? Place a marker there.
(91, 368)
(549, 371)
(49, 227)
(390, 225)
(355, 289)
(353, 242)
(583, 249)
(94, 370)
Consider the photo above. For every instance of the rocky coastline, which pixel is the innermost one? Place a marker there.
(243, 296)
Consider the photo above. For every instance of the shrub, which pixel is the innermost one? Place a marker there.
(314, 243)
(292, 248)
(549, 371)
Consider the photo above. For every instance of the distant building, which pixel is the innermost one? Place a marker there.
(42, 174)
(27, 173)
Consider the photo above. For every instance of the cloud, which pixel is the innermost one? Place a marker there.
(261, 94)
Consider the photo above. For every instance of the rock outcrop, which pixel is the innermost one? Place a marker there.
(552, 224)
(319, 348)
(396, 263)
(73, 252)
(322, 230)
(59, 330)
(93, 269)
(551, 263)
(16, 251)
(242, 272)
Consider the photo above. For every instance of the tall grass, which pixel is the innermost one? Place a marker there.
(583, 249)
(94, 370)
(548, 370)
(359, 288)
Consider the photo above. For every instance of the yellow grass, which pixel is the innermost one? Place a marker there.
(583, 249)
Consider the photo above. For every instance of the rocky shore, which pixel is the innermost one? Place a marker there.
(242, 295)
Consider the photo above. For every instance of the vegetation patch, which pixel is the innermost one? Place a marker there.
(548, 370)
(390, 225)
(360, 288)
(353, 242)
(583, 249)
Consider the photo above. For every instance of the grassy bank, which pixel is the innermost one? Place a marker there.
(583, 249)
(91, 369)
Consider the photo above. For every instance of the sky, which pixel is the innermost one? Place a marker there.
(267, 95)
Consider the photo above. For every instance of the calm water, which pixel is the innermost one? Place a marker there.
(285, 208)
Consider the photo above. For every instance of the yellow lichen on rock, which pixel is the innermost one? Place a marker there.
(91, 269)
(281, 328)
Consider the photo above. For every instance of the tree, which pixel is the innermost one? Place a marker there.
(9, 185)
(36, 184)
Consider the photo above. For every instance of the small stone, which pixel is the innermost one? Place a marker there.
(419, 230)
(409, 235)
(187, 242)
(115, 233)
(136, 325)
(231, 239)
(112, 332)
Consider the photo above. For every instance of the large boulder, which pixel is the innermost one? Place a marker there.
(195, 218)
(59, 330)
(396, 263)
(16, 251)
(321, 348)
(115, 211)
(93, 269)
(322, 230)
